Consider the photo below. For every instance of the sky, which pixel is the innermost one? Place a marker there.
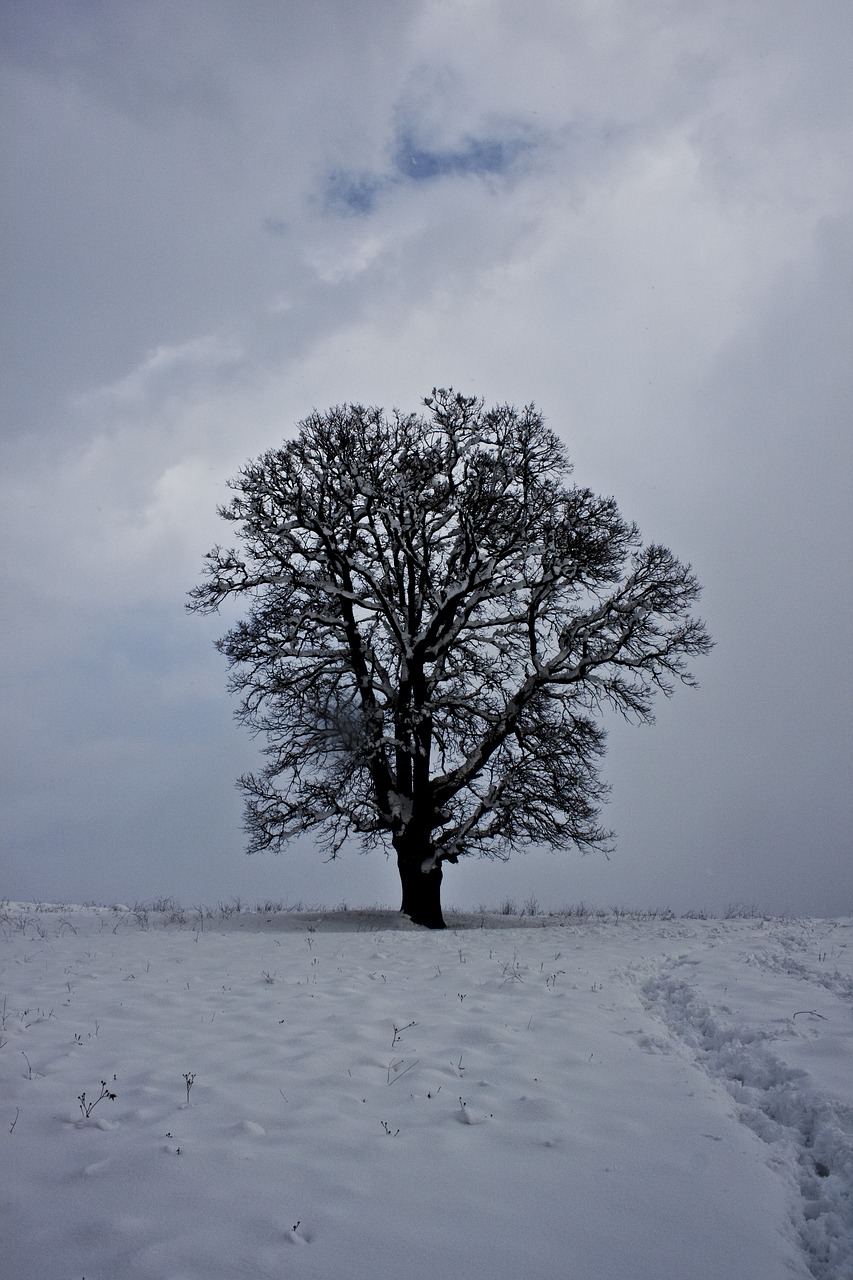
(217, 217)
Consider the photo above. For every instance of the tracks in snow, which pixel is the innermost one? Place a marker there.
(810, 1134)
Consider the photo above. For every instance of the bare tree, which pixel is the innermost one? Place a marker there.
(435, 624)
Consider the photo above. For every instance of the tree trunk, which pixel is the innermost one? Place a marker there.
(421, 889)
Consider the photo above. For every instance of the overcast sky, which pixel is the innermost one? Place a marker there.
(218, 215)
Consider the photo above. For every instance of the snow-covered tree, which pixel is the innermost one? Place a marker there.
(435, 623)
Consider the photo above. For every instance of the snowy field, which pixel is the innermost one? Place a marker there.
(340, 1095)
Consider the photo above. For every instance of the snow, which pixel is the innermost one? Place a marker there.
(319, 1095)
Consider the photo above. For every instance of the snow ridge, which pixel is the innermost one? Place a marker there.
(781, 961)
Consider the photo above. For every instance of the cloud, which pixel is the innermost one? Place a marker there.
(348, 192)
(167, 367)
(477, 156)
(636, 215)
(353, 192)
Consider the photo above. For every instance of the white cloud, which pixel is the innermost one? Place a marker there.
(149, 382)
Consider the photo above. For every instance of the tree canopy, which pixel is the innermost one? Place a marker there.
(435, 623)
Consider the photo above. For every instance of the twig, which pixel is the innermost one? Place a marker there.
(88, 1107)
(392, 1064)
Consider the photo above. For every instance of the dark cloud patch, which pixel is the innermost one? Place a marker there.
(275, 226)
(352, 193)
(474, 156)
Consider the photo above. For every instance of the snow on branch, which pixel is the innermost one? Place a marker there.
(434, 620)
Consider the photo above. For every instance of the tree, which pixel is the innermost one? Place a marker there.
(435, 624)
